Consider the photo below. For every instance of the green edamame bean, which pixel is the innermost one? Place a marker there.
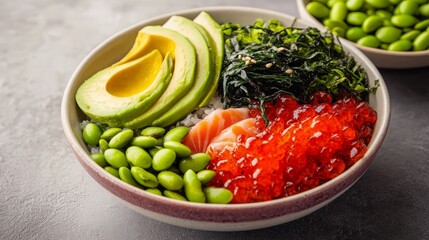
(153, 132)
(422, 25)
(388, 34)
(421, 42)
(411, 35)
(115, 158)
(331, 3)
(338, 11)
(356, 18)
(174, 195)
(339, 31)
(369, 41)
(317, 10)
(355, 33)
(408, 7)
(114, 172)
(144, 141)
(109, 133)
(331, 24)
(395, 2)
(181, 149)
(378, 3)
(99, 159)
(155, 191)
(205, 176)
(170, 180)
(91, 134)
(121, 139)
(154, 150)
(384, 46)
(400, 45)
(383, 14)
(144, 177)
(176, 134)
(137, 156)
(193, 188)
(163, 159)
(403, 20)
(195, 162)
(387, 23)
(354, 5)
(424, 10)
(218, 195)
(372, 23)
(125, 175)
(104, 145)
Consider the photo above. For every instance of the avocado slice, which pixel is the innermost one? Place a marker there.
(120, 93)
(203, 74)
(167, 40)
(217, 45)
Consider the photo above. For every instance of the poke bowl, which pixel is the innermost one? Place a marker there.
(380, 57)
(202, 215)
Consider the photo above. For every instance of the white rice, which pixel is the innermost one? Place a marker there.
(197, 115)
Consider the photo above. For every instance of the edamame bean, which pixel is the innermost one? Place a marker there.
(395, 2)
(154, 150)
(424, 10)
(331, 24)
(355, 33)
(144, 141)
(205, 176)
(383, 14)
(114, 172)
(125, 175)
(400, 45)
(153, 132)
(403, 20)
(388, 34)
(356, 18)
(181, 149)
(331, 3)
(109, 133)
(421, 42)
(384, 46)
(378, 3)
(174, 195)
(144, 177)
(369, 41)
(354, 5)
(339, 31)
(99, 159)
(176, 134)
(115, 158)
(372, 23)
(317, 10)
(121, 139)
(338, 11)
(422, 25)
(155, 191)
(195, 162)
(104, 145)
(408, 7)
(193, 188)
(163, 159)
(170, 180)
(411, 35)
(91, 134)
(218, 195)
(137, 156)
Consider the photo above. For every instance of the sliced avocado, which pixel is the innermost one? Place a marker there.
(166, 40)
(217, 42)
(120, 93)
(203, 72)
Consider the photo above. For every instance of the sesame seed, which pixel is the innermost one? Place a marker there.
(289, 71)
(268, 65)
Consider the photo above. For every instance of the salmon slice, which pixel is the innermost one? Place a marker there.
(200, 136)
(228, 138)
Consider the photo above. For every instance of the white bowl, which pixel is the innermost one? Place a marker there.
(380, 57)
(231, 217)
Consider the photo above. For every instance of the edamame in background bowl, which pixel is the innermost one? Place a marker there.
(148, 168)
(392, 33)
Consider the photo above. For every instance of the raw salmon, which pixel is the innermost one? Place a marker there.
(200, 136)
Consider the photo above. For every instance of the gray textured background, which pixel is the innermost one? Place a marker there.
(46, 194)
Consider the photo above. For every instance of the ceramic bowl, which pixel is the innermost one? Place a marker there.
(381, 58)
(230, 217)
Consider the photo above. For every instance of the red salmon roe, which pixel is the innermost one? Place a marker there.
(303, 146)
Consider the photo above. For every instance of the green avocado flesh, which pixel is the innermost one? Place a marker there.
(203, 77)
(120, 93)
(217, 48)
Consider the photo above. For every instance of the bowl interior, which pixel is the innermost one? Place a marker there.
(380, 57)
(115, 47)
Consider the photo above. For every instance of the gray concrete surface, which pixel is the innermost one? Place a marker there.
(46, 194)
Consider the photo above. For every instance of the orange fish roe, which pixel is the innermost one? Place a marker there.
(303, 146)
